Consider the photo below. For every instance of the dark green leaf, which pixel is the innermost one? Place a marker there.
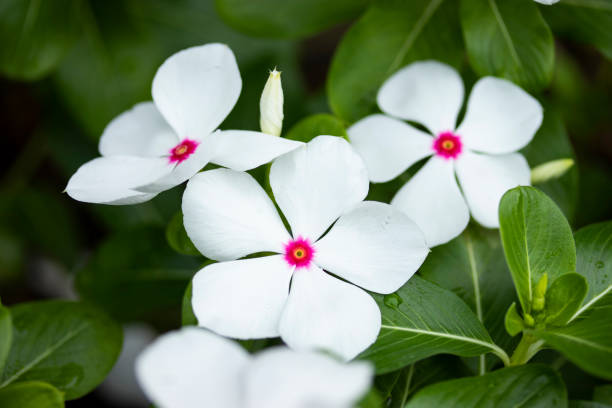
(188, 318)
(587, 404)
(36, 35)
(312, 126)
(6, 334)
(136, 275)
(280, 18)
(177, 236)
(510, 39)
(587, 342)
(420, 320)
(603, 394)
(31, 394)
(388, 36)
(513, 321)
(531, 386)
(71, 345)
(537, 239)
(564, 298)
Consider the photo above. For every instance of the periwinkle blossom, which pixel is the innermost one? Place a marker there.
(157, 145)
(481, 152)
(193, 368)
(547, 2)
(318, 187)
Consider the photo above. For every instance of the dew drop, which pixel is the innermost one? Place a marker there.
(599, 264)
(392, 300)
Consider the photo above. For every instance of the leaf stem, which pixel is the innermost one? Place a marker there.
(526, 349)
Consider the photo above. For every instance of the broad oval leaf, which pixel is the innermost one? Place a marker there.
(594, 262)
(319, 124)
(71, 345)
(281, 18)
(37, 34)
(564, 297)
(587, 342)
(510, 39)
(177, 236)
(532, 385)
(31, 394)
(388, 36)
(537, 239)
(422, 319)
(6, 335)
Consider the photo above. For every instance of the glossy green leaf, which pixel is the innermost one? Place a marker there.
(31, 394)
(136, 275)
(312, 126)
(280, 18)
(188, 318)
(510, 39)
(36, 35)
(388, 36)
(177, 236)
(564, 298)
(587, 342)
(533, 386)
(6, 334)
(537, 239)
(422, 319)
(594, 262)
(70, 345)
(513, 321)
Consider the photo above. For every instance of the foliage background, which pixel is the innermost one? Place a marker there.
(54, 105)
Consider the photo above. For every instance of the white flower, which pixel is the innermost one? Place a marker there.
(193, 368)
(158, 145)
(271, 105)
(500, 119)
(228, 215)
(547, 2)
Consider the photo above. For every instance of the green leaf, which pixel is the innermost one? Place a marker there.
(594, 262)
(188, 318)
(587, 404)
(537, 239)
(603, 394)
(531, 386)
(510, 39)
(70, 345)
(31, 394)
(513, 321)
(388, 36)
(420, 320)
(6, 335)
(279, 18)
(564, 298)
(136, 275)
(587, 342)
(177, 236)
(37, 35)
(586, 21)
(319, 124)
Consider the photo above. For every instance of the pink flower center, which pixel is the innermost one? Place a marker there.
(448, 145)
(183, 150)
(299, 252)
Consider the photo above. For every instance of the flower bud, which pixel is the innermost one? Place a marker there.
(539, 295)
(271, 105)
(550, 170)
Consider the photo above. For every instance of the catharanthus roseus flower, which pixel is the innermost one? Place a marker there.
(228, 215)
(158, 145)
(500, 119)
(547, 2)
(193, 368)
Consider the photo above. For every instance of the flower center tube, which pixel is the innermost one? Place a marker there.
(183, 150)
(448, 145)
(299, 252)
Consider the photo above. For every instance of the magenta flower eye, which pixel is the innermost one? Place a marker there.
(183, 150)
(448, 145)
(299, 252)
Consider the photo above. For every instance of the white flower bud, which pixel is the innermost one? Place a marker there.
(550, 170)
(271, 105)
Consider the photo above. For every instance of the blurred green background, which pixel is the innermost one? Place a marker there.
(68, 67)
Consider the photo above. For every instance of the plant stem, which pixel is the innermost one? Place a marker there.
(526, 349)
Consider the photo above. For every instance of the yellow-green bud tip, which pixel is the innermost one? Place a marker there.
(271, 105)
(550, 170)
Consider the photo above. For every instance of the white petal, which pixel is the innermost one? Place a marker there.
(279, 377)
(242, 299)
(140, 131)
(184, 170)
(195, 89)
(228, 215)
(547, 2)
(375, 246)
(432, 199)
(244, 150)
(113, 179)
(485, 178)
(500, 117)
(427, 92)
(323, 312)
(388, 146)
(191, 367)
(314, 184)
